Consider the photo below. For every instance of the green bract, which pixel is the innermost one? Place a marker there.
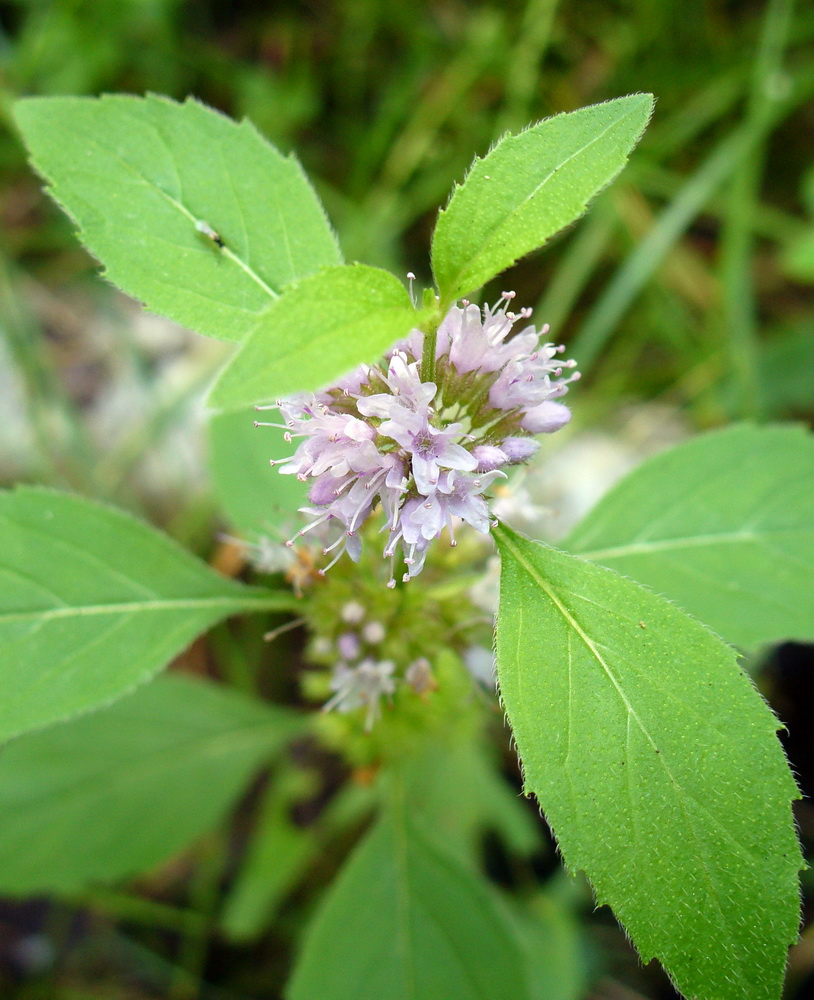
(657, 765)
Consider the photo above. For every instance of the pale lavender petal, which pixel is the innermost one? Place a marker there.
(546, 418)
(518, 449)
(488, 457)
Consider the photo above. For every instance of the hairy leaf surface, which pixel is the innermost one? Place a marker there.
(318, 330)
(657, 764)
(94, 602)
(529, 187)
(722, 525)
(146, 179)
(407, 921)
(116, 792)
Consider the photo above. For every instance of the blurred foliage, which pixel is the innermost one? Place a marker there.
(689, 283)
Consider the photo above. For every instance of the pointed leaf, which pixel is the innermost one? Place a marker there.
(114, 793)
(529, 187)
(92, 603)
(657, 765)
(318, 330)
(405, 920)
(146, 179)
(722, 525)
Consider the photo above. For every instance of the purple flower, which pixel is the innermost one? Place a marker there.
(546, 417)
(426, 452)
(430, 449)
(520, 449)
(489, 457)
(425, 517)
(349, 646)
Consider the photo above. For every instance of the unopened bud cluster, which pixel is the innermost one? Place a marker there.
(426, 441)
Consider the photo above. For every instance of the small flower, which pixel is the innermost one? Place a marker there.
(374, 633)
(349, 646)
(546, 417)
(426, 452)
(352, 613)
(362, 685)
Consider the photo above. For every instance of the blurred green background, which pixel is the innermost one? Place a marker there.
(689, 283)
(685, 295)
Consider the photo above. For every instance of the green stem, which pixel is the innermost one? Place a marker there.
(428, 355)
(135, 909)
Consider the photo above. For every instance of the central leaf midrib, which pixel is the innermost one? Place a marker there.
(133, 607)
(152, 186)
(687, 542)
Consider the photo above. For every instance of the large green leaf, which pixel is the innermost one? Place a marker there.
(146, 179)
(657, 765)
(406, 920)
(529, 187)
(319, 329)
(118, 791)
(723, 526)
(94, 602)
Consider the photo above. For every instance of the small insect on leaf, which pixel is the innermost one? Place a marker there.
(206, 230)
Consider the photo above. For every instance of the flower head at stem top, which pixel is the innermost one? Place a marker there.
(424, 434)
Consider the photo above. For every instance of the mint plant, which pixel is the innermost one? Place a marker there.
(651, 753)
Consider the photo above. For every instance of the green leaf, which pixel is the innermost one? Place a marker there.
(92, 603)
(139, 174)
(319, 329)
(281, 850)
(558, 961)
(797, 259)
(257, 500)
(786, 362)
(278, 853)
(116, 792)
(722, 525)
(657, 765)
(458, 790)
(529, 187)
(406, 921)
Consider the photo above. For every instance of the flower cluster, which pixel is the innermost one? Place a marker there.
(426, 449)
(363, 674)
